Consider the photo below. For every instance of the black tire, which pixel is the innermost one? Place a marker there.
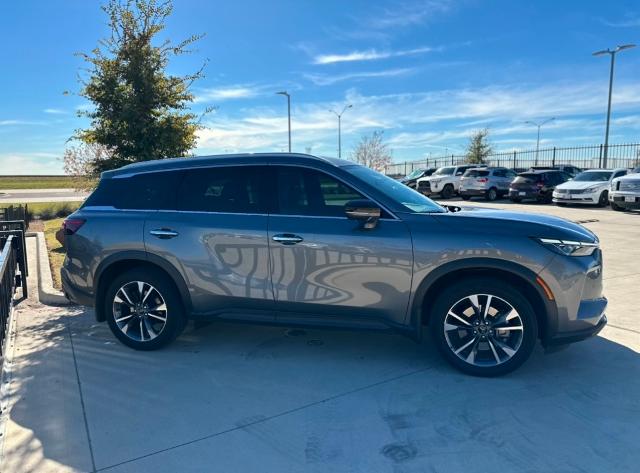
(165, 290)
(616, 207)
(465, 197)
(561, 204)
(502, 293)
(491, 194)
(604, 199)
(447, 191)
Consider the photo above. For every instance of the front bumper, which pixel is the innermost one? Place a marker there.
(590, 198)
(621, 200)
(577, 335)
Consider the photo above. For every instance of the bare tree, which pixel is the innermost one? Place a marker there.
(81, 161)
(372, 152)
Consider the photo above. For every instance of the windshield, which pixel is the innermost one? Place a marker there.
(414, 174)
(593, 176)
(411, 200)
(444, 171)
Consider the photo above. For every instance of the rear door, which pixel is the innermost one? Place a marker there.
(327, 269)
(216, 236)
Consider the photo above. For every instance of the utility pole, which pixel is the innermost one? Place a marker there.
(612, 53)
(286, 94)
(339, 115)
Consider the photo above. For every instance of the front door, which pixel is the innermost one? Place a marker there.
(326, 268)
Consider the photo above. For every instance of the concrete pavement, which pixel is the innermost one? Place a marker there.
(246, 398)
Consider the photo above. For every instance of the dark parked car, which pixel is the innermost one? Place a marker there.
(412, 178)
(536, 185)
(294, 239)
(566, 168)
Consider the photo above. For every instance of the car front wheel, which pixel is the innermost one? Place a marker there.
(604, 199)
(144, 309)
(484, 327)
(447, 192)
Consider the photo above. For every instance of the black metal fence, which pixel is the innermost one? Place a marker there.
(586, 157)
(15, 212)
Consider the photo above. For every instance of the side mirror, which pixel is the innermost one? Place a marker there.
(364, 210)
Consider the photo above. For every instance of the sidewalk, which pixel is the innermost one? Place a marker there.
(242, 398)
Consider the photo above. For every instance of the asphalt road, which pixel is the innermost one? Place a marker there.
(25, 196)
(243, 398)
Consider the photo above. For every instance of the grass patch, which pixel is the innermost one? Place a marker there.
(36, 182)
(49, 210)
(55, 249)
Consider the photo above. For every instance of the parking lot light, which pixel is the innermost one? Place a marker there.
(539, 125)
(612, 53)
(339, 115)
(286, 94)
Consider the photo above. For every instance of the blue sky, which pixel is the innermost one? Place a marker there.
(428, 73)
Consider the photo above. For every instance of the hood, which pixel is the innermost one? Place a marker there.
(579, 185)
(629, 177)
(505, 222)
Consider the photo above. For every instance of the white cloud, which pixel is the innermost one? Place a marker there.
(408, 14)
(369, 55)
(326, 79)
(226, 93)
(55, 111)
(630, 20)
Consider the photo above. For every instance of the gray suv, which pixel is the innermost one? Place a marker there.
(294, 239)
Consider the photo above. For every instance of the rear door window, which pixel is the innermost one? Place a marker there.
(227, 189)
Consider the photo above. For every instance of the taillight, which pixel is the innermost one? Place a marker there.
(72, 225)
(482, 179)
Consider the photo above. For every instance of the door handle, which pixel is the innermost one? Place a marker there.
(164, 233)
(287, 238)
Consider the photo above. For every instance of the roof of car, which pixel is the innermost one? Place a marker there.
(541, 171)
(220, 159)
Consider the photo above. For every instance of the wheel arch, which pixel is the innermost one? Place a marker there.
(509, 272)
(116, 264)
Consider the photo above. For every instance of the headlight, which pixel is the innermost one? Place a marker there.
(569, 247)
(591, 189)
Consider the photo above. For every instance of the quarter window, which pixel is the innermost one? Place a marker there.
(308, 192)
(234, 189)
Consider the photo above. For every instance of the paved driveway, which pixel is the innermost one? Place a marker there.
(242, 398)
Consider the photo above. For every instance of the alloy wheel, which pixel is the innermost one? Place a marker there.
(483, 330)
(139, 311)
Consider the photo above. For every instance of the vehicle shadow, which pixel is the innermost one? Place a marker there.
(320, 391)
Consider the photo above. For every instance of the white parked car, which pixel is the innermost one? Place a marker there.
(588, 187)
(445, 181)
(624, 193)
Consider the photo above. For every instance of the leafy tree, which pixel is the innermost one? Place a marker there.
(479, 147)
(140, 111)
(82, 161)
(371, 151)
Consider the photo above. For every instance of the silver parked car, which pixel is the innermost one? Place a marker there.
(488, 182)
(296, 239)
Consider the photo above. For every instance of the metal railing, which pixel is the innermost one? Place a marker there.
(12, 260)
(587, 157)
(15, 212)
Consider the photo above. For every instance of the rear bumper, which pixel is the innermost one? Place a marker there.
(472, 192)
(74, 294)
(517, 194)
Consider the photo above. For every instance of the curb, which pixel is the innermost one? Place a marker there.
(46, 292)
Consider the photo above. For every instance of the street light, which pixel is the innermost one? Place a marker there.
(286, 94)
(539, 125)
(612, 53)
(339, 115)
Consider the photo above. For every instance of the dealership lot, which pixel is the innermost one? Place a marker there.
(229, 397)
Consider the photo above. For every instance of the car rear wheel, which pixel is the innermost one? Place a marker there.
(492, 194)
(616, 207)
(447, 192)
(484, 327)
(143, 309)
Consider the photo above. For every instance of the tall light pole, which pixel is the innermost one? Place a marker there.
(286, 94)
(539, 125)
(339, 115)
(612, 53)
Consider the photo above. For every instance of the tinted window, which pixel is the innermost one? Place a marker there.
(619, 173)
(500, 173)
(527, 177)
(148, 191)
(307, 192)
(240, 189)
(476, 173)
(444, 171)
